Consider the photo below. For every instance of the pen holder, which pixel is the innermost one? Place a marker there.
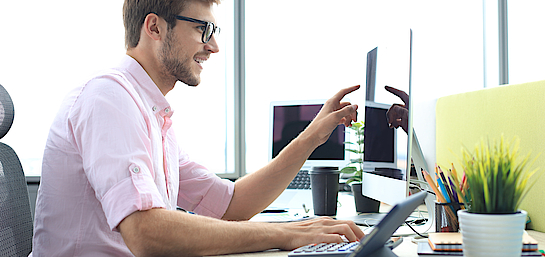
(446, 217)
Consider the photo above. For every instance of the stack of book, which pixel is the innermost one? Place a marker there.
(451, 244)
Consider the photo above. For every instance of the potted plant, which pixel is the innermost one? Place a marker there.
(496, 181)
(355, 168)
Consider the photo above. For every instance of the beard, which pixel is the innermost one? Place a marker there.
(179, 69)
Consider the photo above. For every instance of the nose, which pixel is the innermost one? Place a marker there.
(212, 45)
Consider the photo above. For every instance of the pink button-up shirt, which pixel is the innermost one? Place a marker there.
(110, 152)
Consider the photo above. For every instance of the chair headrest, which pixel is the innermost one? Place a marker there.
(6, 112)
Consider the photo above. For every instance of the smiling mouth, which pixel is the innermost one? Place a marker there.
(200, 60)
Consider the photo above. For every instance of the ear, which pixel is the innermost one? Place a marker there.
(154, 26)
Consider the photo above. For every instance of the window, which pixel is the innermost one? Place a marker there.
(300, 50)
(55, 46)
(204, 115)
(293, 50)
(526, 41)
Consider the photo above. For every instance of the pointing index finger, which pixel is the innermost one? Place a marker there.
(400, 93)
(340, 95)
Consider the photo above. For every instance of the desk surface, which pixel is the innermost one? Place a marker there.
(406, 249)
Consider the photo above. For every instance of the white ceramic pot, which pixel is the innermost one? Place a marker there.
(498, 235)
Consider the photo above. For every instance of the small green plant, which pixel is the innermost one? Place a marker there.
(357, 170)
(497, 181)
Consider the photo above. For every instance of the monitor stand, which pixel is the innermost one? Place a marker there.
(420, 164)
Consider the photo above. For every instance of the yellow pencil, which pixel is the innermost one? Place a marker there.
(438, 194)
(454, 173)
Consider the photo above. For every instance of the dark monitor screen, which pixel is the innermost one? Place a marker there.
(290, 120)
(379, 144)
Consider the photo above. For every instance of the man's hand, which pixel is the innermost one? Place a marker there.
(320, 230)
(333, 113)
(398, 114)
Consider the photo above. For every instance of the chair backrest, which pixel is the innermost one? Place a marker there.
(15, 214)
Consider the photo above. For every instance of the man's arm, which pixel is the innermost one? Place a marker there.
(173, 233)
(257, 190)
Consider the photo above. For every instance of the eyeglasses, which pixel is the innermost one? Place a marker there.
(208, 30)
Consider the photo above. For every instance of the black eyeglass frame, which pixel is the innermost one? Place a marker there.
(205, 38)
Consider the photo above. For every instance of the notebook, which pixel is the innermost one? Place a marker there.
(425, 249)
(452, 241)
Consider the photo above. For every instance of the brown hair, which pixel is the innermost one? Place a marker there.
(135, 12)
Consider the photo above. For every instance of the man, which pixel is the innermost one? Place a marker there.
(113, 173)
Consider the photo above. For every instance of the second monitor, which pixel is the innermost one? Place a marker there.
(380, 144)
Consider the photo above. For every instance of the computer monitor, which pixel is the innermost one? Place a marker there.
(289, 118)
(393, 69)
(371, 74)
(380, 141)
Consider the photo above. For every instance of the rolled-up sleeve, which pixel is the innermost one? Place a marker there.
(114, 143)
(135, 193)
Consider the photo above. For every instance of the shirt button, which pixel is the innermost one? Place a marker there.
(135, 169)
(167, 110)
(154, 108)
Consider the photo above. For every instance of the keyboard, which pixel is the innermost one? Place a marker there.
(331, 250)
(335, 249)
(301, 181)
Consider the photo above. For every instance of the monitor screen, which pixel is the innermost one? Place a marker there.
(290, 118)
(371, 73)
(380, 144)
(393, 68)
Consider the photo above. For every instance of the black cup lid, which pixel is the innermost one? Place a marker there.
(324, 169)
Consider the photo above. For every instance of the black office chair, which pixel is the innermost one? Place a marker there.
(15, 213)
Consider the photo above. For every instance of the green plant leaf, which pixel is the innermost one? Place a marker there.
(348, 169)
(497, 180)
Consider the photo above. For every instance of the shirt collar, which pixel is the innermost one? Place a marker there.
(158, 101)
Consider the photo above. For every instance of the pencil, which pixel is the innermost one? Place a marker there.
(454, 173)
(453, 189)
(444, 190)
(438, 194)
(446, 186)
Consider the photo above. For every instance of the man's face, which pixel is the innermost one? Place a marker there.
(183, 51)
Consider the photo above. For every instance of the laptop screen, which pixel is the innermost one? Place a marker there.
(289, 119)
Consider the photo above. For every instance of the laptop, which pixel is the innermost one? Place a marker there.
(287, 119)
(376, 243)
(298, 195)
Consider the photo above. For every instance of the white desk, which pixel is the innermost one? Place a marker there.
(346, 209)
(406, 249)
